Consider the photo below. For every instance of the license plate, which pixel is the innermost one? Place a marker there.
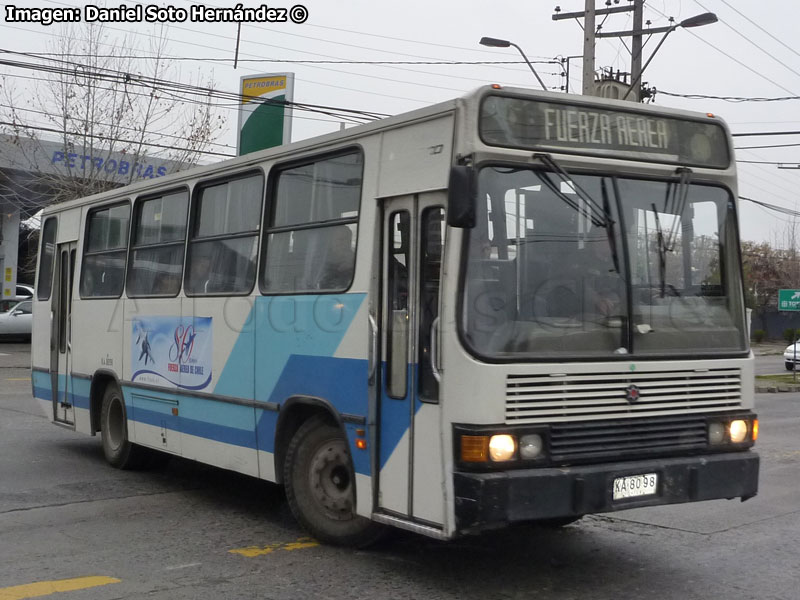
(635, 485)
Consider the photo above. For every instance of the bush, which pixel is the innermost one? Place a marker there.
(759, 335)
(790, 335)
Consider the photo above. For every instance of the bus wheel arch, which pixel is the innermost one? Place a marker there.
(109, 416)
(320, 485)
(293, 414)
(100, 381)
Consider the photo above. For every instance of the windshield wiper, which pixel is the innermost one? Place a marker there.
(600, 216)
(612, 238)
(596, 214)
(680, 193)
(675, 204)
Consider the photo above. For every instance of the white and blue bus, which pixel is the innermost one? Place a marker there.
(511, 307)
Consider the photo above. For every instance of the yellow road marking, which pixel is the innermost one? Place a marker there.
(45, 588)
(252, 551)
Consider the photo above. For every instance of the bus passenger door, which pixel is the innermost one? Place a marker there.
(61, 335)
(410, 459)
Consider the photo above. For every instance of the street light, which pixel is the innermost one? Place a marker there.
(696, 21)
(496, 43)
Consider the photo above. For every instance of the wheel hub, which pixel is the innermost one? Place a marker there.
(330, 480)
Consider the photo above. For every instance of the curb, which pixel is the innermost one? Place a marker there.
(776, 389)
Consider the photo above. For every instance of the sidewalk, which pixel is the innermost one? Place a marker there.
(771, 348)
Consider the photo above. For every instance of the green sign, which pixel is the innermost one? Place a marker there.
(789, 300)
(265, 111)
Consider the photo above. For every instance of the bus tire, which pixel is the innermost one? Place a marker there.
(320, 486)
(118, 450)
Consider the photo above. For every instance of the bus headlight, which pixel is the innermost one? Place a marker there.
(738, 431)
(530, 446)
(716, 433)
(502, 447)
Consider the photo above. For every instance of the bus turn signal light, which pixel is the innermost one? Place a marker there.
(474, 448)
(755, 429)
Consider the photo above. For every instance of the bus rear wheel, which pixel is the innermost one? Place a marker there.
(320, 486)
(118, 450)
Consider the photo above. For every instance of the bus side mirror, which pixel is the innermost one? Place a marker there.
(461, 197)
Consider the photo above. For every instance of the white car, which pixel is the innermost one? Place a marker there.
(17, 320)
(23, 292)
(790, 356)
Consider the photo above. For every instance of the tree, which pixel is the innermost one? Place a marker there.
(110, 113)
(767, 270)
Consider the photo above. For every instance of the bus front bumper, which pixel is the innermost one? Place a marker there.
(496, 499)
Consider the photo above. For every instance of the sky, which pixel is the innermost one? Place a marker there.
(752, 52)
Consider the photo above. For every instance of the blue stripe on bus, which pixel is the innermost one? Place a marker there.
(395, 419)
(195, 408)
(212, 431)
(340, 381)
(43, 393)
(311, 326)
(77, 390)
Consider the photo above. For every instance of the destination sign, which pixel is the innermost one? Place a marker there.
(532, 124)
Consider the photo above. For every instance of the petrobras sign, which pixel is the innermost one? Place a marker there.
(34, 155)
(172, 352)
(265, 111)
(108, 165)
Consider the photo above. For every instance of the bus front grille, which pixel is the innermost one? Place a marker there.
(572, 443)
(602, 396)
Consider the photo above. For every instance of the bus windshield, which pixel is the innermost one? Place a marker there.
(598, 266)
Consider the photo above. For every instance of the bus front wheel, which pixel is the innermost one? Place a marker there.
(320, 486)
(118, 450)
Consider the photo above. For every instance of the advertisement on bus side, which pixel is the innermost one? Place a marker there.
(172, 351)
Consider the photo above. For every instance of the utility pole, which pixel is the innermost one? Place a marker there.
(590, 34)
(636, 48)
(588, 48)
(589, 16)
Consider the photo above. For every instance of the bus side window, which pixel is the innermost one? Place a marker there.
(105, 253)
(155, 263)
(312, 229)
(431, 250)
(46, 261)
(224, 236)
(397, 319)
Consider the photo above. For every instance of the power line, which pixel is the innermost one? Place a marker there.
(765, 133)
(105, 74)
(206, 46)
(225, 105)
(102, 137)
(766, 162)
(317, 39)
(304, 61)
(736, 60)
(773, 207)
(752, 43)
(398, 39)
(767, 146)
(760, 27)
(729, 98)
(175, 137)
